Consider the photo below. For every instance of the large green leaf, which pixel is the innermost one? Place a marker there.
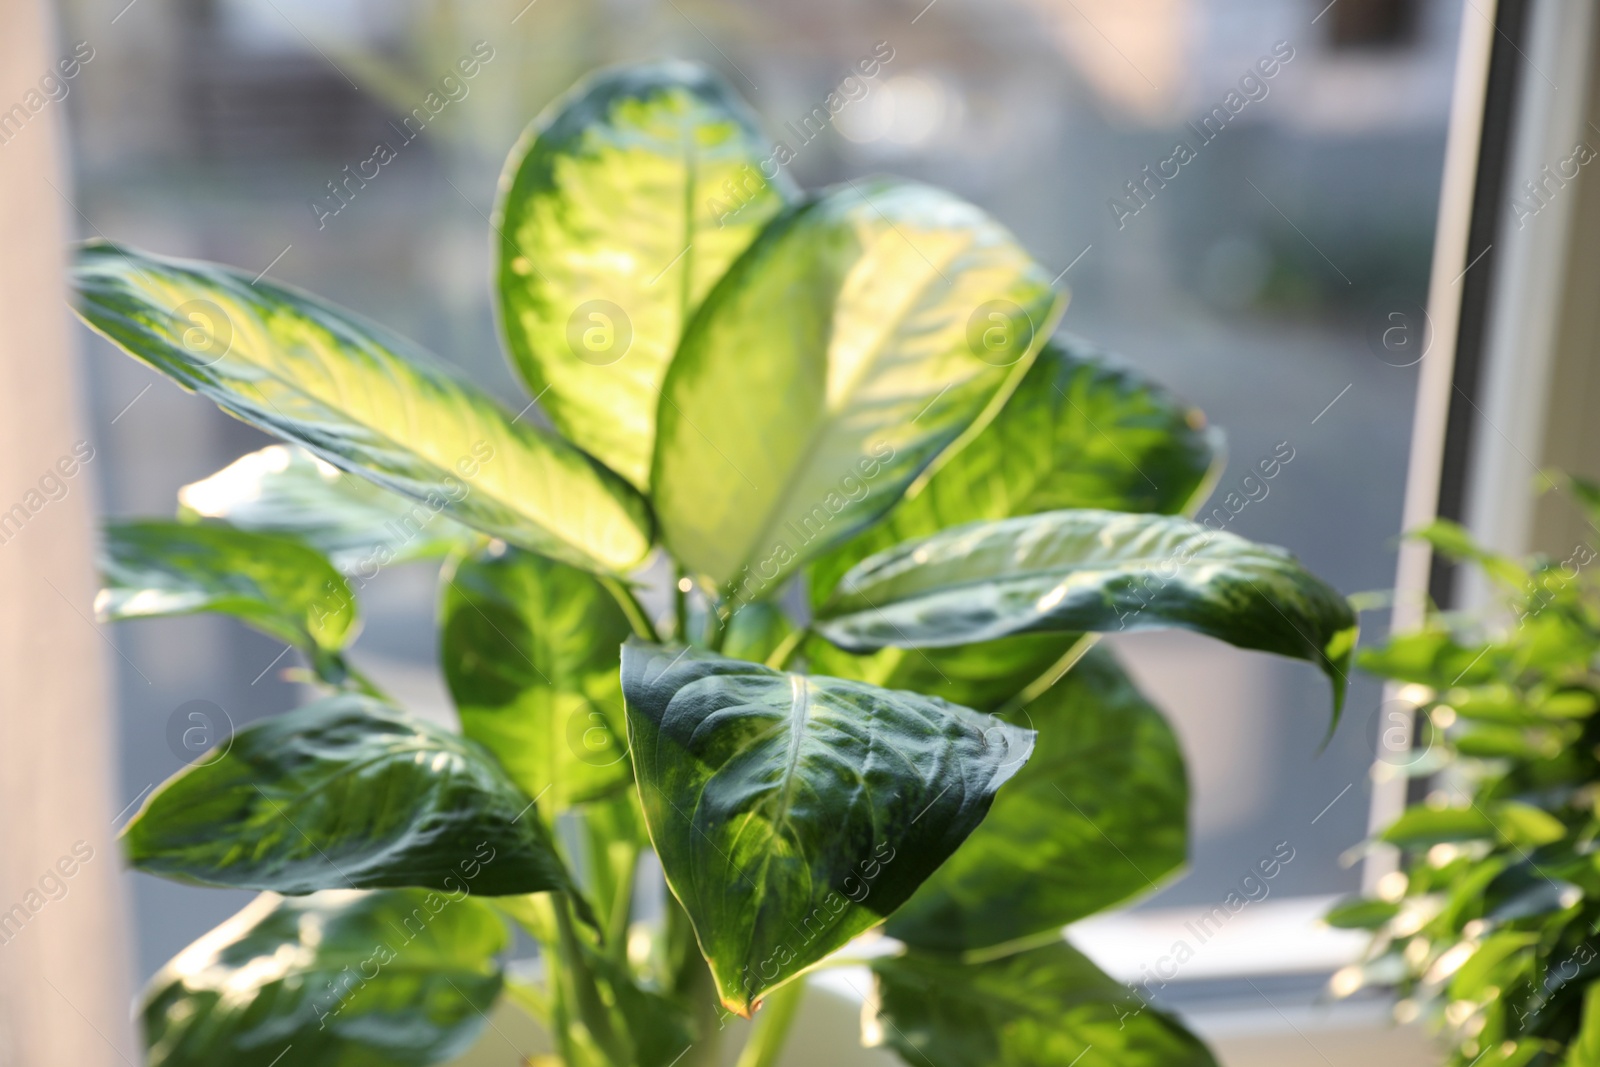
(1083, 430)
(861, 335)
(345, 793)
(1045, 1007)
(792, 812)
(362, 399)
(530, 653)
(337, 979)
(1091, 570)
(283, 489)
(1099, 813)
(278, 585)
(621, 207)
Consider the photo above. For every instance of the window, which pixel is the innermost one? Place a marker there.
(1237, 209)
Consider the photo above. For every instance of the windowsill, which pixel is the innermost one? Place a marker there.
(1174, 945)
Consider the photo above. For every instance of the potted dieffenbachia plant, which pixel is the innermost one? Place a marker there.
(796, 595)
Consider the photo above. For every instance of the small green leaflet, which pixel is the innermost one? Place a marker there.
(1097, 571)
(793, 812)
(620, 208)
(362, 399)
(341, 978)
(345, 793)
(1585, 1048)
(283, 489)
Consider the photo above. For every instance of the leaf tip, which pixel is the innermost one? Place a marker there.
(1339, 655)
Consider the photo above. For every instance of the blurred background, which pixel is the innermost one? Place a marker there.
(1256, 283)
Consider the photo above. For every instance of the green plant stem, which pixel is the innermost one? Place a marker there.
(614, 859)
(772, 1025)
(716, 628)
(531, 999)
(586, 996)
(643, 628)
(1058, 670)
(353, 679)
(680, 605)
(689, 980)
(787, 648)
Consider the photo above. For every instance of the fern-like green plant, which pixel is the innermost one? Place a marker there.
(1490, 928)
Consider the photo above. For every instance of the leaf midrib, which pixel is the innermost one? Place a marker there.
(831, 412)
(225, 397)
(1019, 577)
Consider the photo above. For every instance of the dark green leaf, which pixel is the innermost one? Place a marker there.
(622, 206)
(1044, 1006)
(1422, 827)
(1091, 570)
(1494, 742)
(530, 652)
(1361, 914)
(891, 319)
(362, 399)
(1431, 656)
(345, 793)
(792, 812)
(342, 979)
(154, 569)
(283, 489)
(1527, 826)
(1455, 542)
(1525, 891)
(1099, 813)
(1082, 431)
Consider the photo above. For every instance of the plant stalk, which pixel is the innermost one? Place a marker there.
(690, 982)
(643, 628)
(1058, 670)
(772, 1025)
(680, 605)
(787, 648)
(592, 1010)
